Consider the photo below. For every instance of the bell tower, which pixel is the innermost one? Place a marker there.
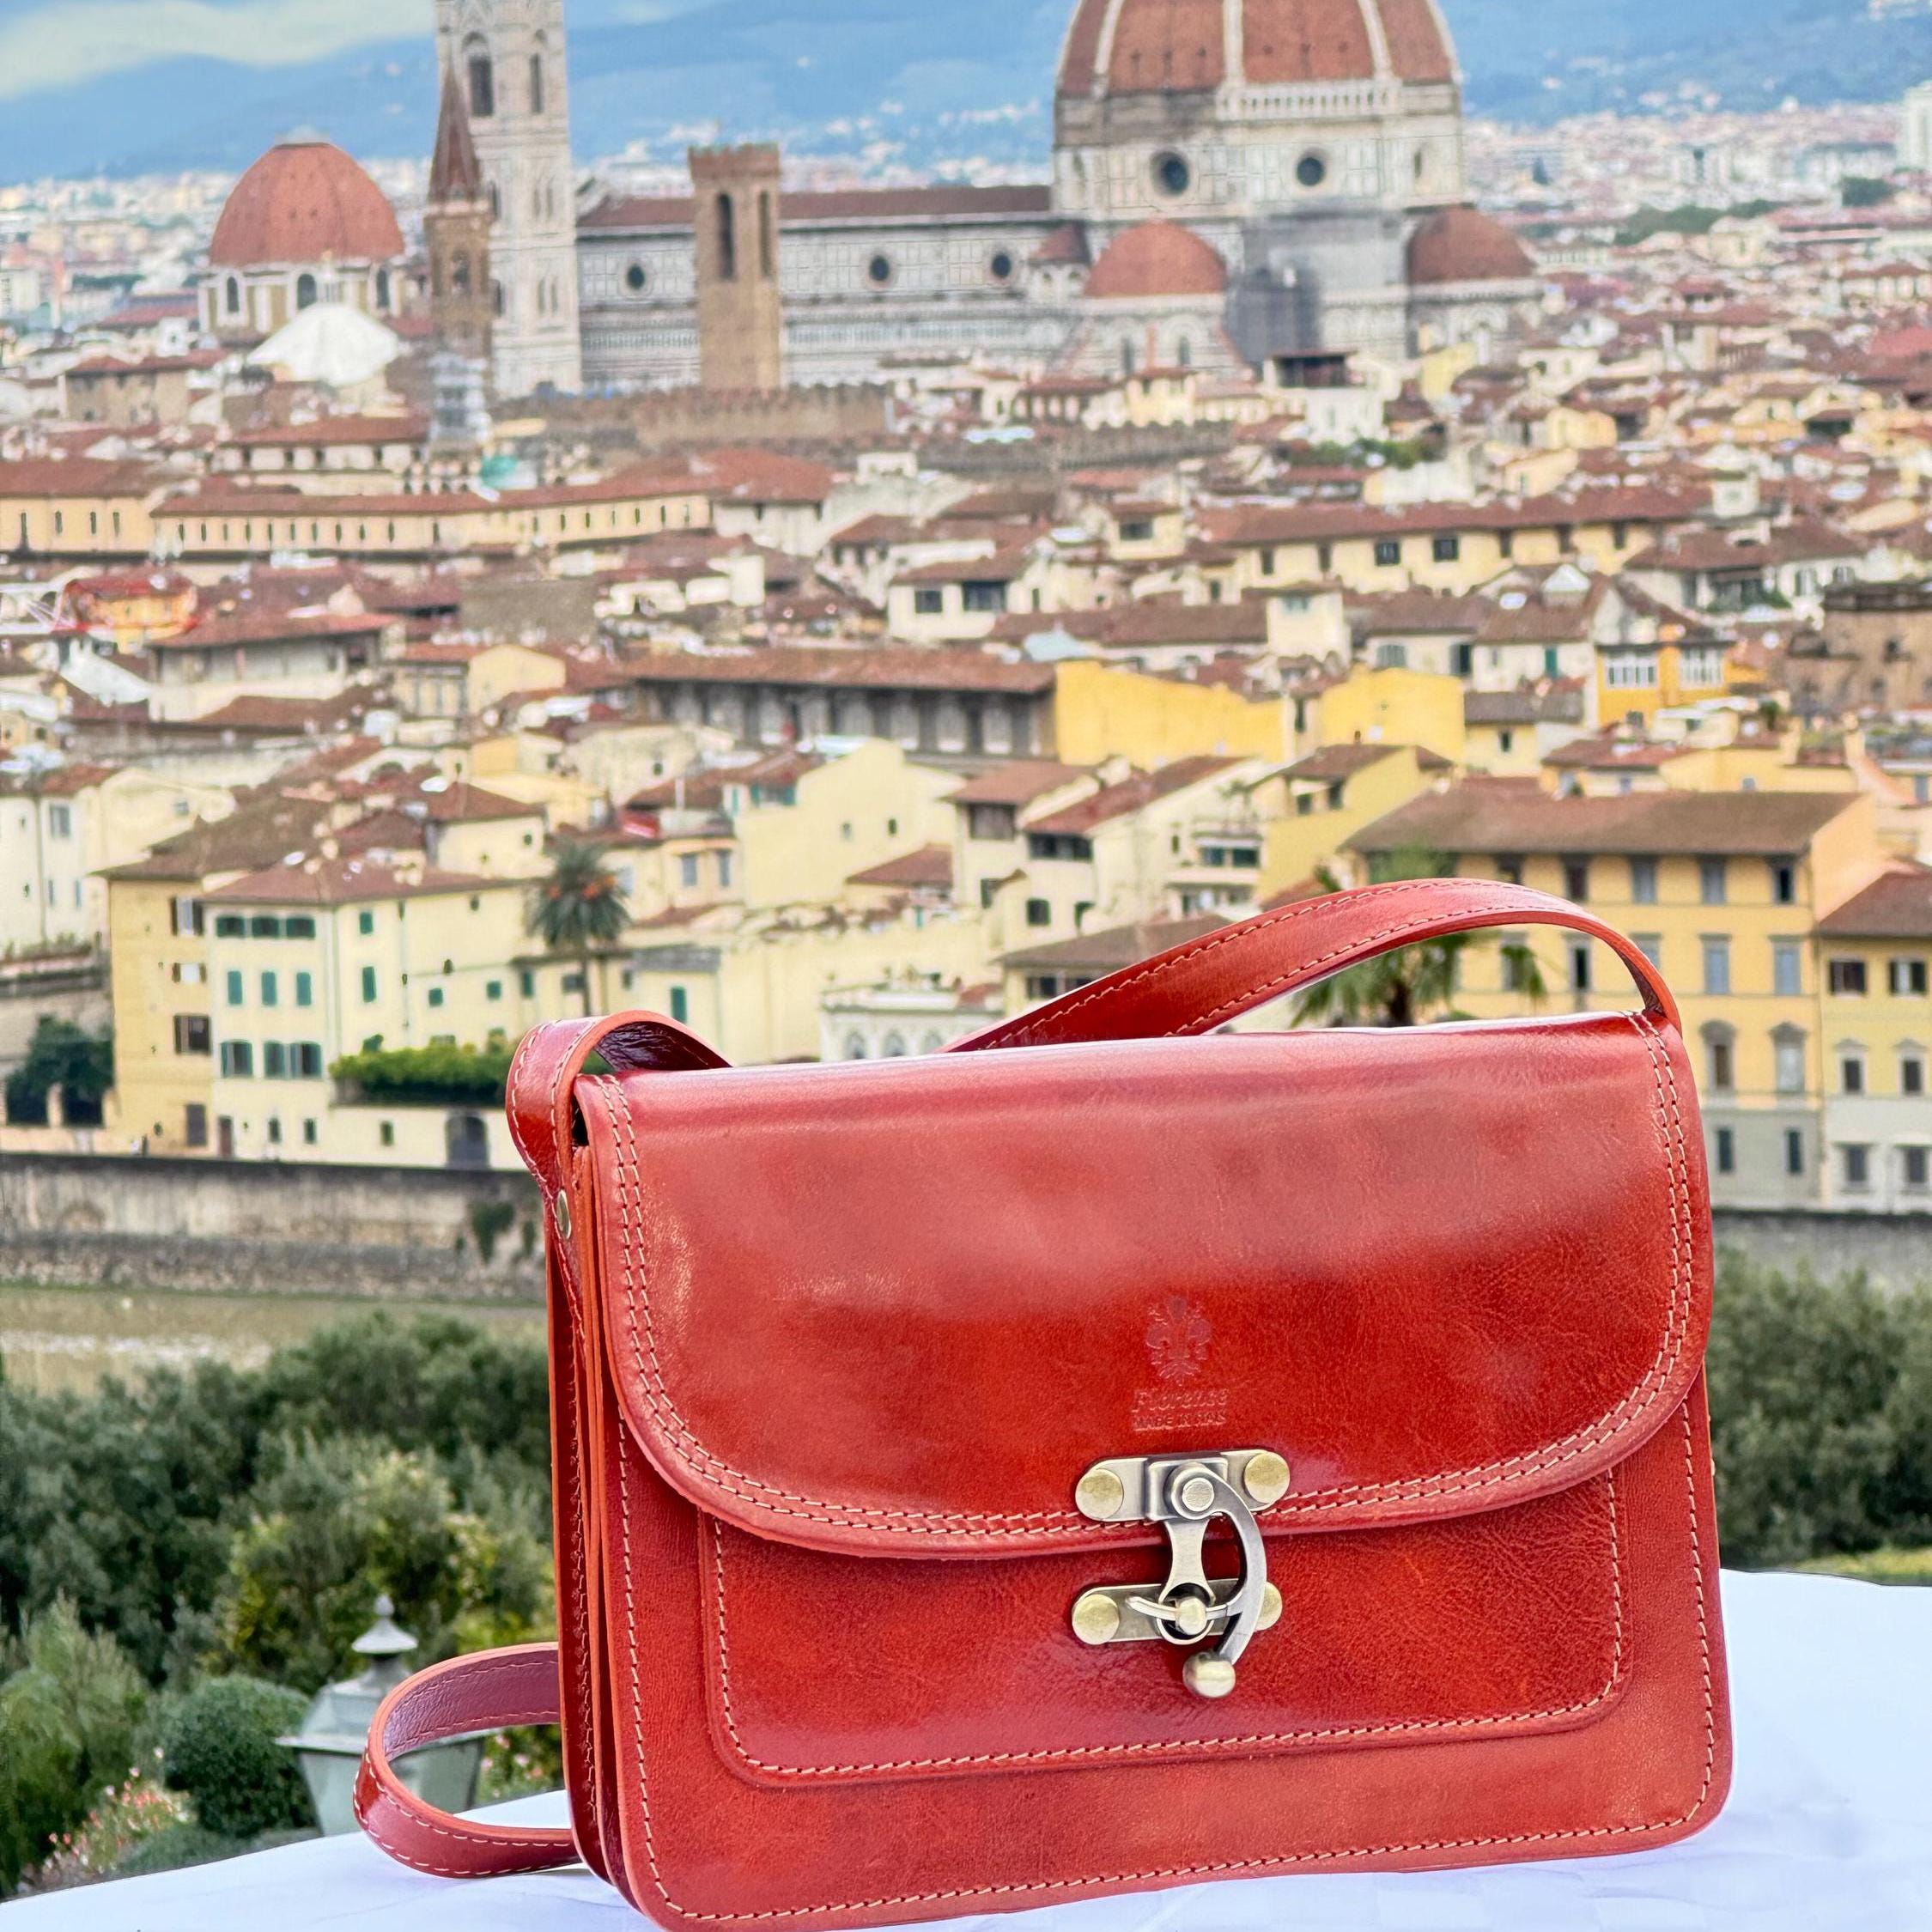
(456, 223)
(506, 59)
(741, 315)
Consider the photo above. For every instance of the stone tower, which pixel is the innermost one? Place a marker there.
(507, 58)
(456, 222)
(740, 316)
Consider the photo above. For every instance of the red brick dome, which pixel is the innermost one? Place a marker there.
(1155, 260)
(1183, 47)
(1459, 244)
(305, 201)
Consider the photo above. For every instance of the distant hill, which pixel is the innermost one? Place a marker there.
(938, 79)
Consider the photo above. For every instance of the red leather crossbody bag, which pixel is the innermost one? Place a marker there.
(1103, 1456)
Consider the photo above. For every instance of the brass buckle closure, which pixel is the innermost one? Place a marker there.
(1184, 1494)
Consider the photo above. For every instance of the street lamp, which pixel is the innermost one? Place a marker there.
(329, 1746)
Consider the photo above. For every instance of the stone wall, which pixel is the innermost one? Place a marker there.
(266, 1227)
(1895, 1249)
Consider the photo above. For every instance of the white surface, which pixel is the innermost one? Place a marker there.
(1829, 1826)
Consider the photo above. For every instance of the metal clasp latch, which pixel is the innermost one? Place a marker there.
(1184, 1494)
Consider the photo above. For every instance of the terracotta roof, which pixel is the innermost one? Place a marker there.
(76, 476)
(1156, 259)
(305, 201)
(1120, 946)
(215, 634)
(1486, 819)
(836, 669)
(1130, 795)
(334, 430)
(928, 869)
(1898, 906)
(460, 803)
(1018, 783)
(342, 882)
(455, 173)
(1181, 46)
(761, 476)
(255, 836)
(1331, 762)
(1460, 244)
(1561, 703)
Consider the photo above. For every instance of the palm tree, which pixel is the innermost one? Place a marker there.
(580, 907)
(1403, 988)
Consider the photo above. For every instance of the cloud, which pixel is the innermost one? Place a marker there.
(61, 43)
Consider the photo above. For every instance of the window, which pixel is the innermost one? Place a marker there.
(768, 242)
(1712, 881)
(305, 291)
(1576, 880)
(1172, 175)
(1793, 1150)
(386, 1133)
(238, 1060)
(191, 1033)
(369, 986)
(1911, 1072)
(526, 983)
(60, 821)
(1788, 972)
(1446, 549)
(230, 925)
(184, 918)
(688, 870)
(878, 271)
(1852, 1073)
(725, 866)
(1856, 1167)
(1311, 171)
(493, 989)
(928, 602)
(194, 1124)
(482, 86)
(1580, 966)
(1720, 1064)
(983, 597)
(1905, 978)
(536, 83)
(435, 996)
(1915, 1169)
(269, 989)
(680, 1004)
(305, 1061)
(635, 279)
(264, 926)
(1650, 944)
(232, 296)
(1644, 882)
(1716, 964)
(300, 925)
(234, 989)
(1788, 1060)
(1039, 912)
(310, 1134)
(1388, 551)
(305, 989)
(1783, 883)
(365, 923)
(1516, 964)
(1846, 978)
(1726, 1150)
(275, 1060)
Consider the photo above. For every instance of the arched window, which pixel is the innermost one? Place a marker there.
(235, 294)
(855, 1046)
(382, 289)
(495, 202)
(305, 291)
(482, 80)
(727, 239)
(1184, 354)
(1126, 358)
(537, 82)
(459, 275)
(893, 1046)
(768, 240)
(498, 301)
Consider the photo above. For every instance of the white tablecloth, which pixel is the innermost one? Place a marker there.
(1829, 1826)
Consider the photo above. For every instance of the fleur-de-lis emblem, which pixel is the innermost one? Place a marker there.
(1178, 1332)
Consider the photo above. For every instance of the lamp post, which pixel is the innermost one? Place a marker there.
(329, 1746)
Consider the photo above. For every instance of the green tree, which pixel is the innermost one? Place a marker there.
(1865, 190)
(579, 908)
(218, 1746)
(63, 1055)
(69, 1704)
(445, 1076)
(1404, 988)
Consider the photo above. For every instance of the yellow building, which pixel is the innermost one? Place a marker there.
(1725, 891)
(78, 507)
(1102, 711)
(1312, 807)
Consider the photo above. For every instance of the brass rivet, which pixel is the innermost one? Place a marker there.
(1207, 1676)
(1266, 1477)
(1271, 1607)
(563, 1216)
(1096, 1617)
(1099, 1495)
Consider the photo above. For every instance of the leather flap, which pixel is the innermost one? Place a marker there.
(901, 1307)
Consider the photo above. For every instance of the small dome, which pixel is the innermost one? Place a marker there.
(1181, 46)
(1155, 259)
(330, 343)
(1458, 244)
(305, 201)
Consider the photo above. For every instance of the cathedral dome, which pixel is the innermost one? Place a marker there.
(1154, 260)
(1460, 244)
(1193, 46)
(305, 201)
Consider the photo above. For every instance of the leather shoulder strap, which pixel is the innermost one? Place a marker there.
(1211, 981)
